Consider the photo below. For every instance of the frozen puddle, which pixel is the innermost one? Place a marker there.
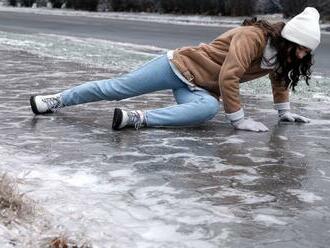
(208, 186)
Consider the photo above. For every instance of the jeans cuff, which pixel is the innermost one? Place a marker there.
(282, 106)
(145, 118)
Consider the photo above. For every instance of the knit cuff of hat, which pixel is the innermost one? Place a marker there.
(233, 117)
(300, 37)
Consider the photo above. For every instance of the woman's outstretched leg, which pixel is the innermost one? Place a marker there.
(152, 76)
(194, 107)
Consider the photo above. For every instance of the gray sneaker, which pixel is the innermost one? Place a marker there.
(122, 118)
(46, 104)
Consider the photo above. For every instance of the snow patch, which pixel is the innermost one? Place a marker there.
(269, 220)
(282, 137)
(305, 196)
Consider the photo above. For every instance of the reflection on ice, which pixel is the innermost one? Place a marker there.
(269, 220)
(305, 196)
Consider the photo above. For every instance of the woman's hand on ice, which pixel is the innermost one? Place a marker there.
(287, 116)
(249, 125)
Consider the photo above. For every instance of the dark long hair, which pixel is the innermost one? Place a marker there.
(288, 68)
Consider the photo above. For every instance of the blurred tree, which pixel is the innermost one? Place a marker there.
(208, 7)
(90, 5)
(125, 5)
(212, 7)
(268, 6)
(12, 2)
(104, 6)
(239, 7)
(293, 7)
(26, 3)
(148, 5)
(167, 6)
(57, 3)
(324, 8)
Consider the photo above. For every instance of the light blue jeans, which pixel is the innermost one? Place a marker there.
(193, 106)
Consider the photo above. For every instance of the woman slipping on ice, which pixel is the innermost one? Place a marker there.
(201, 75)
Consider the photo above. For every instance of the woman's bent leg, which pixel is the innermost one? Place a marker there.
(153, 76)
(194, 107)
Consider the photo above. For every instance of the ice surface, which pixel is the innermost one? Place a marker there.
(269, 220)
(208, 186)
(305, 196)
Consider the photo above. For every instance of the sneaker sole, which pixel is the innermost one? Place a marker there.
(117, 119)
(34, 106)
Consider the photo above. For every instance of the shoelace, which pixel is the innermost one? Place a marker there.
(135, 119)
(53, 103)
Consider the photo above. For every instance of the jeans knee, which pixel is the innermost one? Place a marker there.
(210, 107)
(110, 89)
(214, 107)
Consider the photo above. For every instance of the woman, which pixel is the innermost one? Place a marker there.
(201, 76)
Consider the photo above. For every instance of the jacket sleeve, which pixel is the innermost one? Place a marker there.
(244, 48)
(280, 93)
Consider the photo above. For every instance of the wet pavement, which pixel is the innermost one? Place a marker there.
(206, 186)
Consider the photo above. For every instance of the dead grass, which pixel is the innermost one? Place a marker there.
(19, 211)
(63, 242)
(13, 205)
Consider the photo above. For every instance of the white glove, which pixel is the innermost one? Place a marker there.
(286, 115)
(249, 125)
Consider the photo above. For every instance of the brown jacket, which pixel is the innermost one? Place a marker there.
(230, 59)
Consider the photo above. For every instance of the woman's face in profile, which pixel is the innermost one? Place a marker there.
(302, 51)
(299, 53)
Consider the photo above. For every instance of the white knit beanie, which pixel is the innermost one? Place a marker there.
(304, 29)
